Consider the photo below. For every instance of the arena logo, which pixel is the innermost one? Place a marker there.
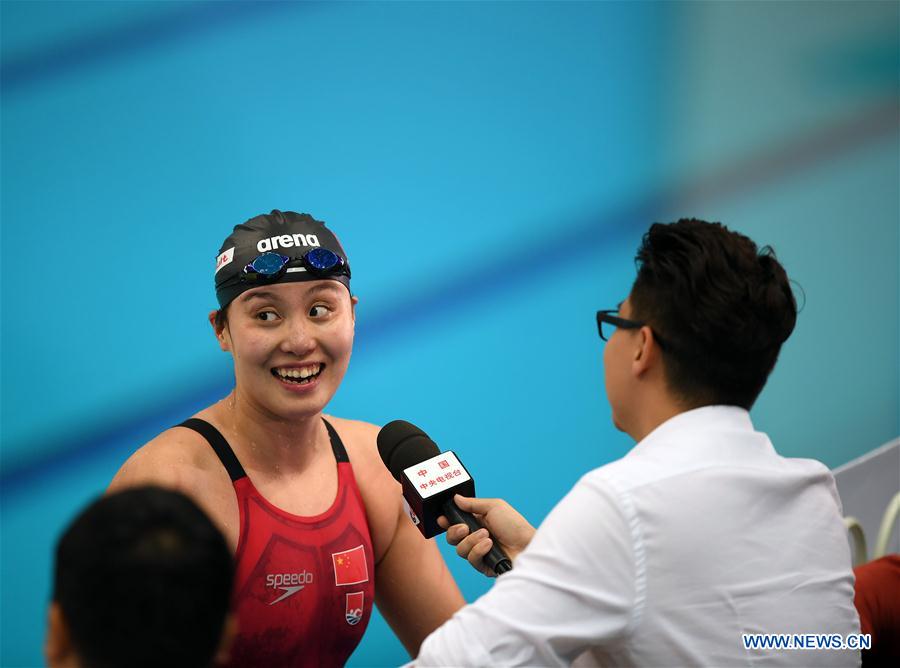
(287, 241)
(289, 583)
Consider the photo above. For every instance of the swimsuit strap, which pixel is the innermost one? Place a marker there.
(219, 445)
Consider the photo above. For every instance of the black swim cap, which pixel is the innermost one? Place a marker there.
(284, 232)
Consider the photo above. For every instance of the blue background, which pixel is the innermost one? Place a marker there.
(490, 168)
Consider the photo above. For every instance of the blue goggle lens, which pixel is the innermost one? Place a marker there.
(323, 259)
(269, 264)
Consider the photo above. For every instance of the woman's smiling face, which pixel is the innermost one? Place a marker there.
(291, 344)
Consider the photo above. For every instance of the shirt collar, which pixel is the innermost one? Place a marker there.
(695, 422)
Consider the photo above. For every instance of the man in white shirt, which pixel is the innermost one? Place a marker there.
(702, 535)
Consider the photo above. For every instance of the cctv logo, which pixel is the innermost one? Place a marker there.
(289, 583)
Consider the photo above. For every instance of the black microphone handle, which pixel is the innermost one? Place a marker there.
(495, 559)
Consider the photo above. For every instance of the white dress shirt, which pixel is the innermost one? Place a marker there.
(667, 556)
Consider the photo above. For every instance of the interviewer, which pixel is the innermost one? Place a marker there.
(702, 532)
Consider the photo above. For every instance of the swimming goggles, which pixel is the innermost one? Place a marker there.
(318, 261)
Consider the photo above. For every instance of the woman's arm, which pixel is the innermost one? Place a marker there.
(413, 586)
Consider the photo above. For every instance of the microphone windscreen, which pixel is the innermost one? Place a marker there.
(402, 445)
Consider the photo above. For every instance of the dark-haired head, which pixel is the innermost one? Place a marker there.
(143, 578)
(722, 307)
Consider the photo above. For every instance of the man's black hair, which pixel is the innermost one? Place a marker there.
(143, 579)
(721, 306)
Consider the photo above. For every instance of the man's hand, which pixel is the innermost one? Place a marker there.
(509, 529)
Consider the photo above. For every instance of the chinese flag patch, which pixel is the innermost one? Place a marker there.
(350, 566)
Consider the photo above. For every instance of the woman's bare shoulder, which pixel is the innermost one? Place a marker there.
(358, 435)
(361, 441)
(178, 457)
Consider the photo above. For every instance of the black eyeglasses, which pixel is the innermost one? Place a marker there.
(609, 318)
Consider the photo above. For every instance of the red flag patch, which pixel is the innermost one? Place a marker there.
(350, 566)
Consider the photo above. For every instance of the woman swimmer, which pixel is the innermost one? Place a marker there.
(313, 517)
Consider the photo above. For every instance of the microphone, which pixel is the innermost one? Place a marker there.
(429, 479)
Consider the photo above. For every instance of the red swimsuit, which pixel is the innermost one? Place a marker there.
(304, 586)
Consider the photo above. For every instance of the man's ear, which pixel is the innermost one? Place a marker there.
(646, 351)
(221, 335)
(229, 633)
(354, 300)
(58, 643)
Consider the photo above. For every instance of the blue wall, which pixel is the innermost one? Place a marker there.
(490, 169)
